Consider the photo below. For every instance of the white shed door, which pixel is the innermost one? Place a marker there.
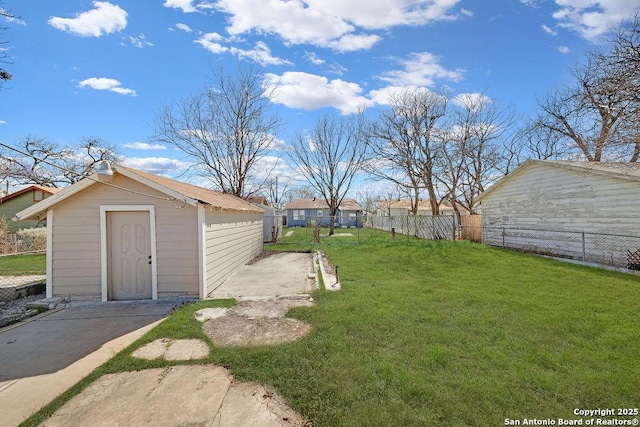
(130, 255)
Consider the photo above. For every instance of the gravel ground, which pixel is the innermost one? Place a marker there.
(16, 310)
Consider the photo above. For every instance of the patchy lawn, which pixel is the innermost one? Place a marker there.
(444, 333)
(22, 265)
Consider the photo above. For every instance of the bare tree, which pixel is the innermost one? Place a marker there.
(598, 113)
(4, 56)
(224, 129)
(479, 125)
(368, 199)
(301, 192)
(278, 189)
(329, 156)
(403, 143)
(36, 160)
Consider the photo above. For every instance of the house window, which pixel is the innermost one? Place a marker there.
(38, 195)
(298, 215)
(352, 215)
(319, 213)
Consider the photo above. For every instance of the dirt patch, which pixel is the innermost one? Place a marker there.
(269, 308)
(240, 331)
(256, 323)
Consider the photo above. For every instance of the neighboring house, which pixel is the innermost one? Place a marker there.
(22, 199)
(403, 207)
(271, 223)
(568, 197)
(143, 236)
(301, 211)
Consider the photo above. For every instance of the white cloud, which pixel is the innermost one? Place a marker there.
(309, 92)
(140, 41)
(183, 27)
(471, 100)
(106, 18)
(210, 42)
(313, 58)
(353, 42)
(3, 122)
(563, 49)
(421, 69)
(549, 30)
(261, 54)
(186, 5)
(157, 165)
(384, 95)
(103, 83)
(144, 146)
(592, 18)
(331, 23)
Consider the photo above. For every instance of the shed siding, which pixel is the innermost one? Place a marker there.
(231, 240)
(76, 237)
(554, 198)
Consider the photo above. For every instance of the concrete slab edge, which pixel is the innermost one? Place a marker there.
(331, 281)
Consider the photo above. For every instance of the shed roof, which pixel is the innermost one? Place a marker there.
(627, 171)
(175, 190)
(50, 190)
(199, 194)
(320, 203)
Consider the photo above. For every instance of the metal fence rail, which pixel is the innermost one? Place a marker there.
(615, 250)
(422, 226)
(606, 249)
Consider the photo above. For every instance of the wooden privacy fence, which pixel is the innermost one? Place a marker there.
(471, 228)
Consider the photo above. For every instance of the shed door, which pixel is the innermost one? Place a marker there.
(130, 255)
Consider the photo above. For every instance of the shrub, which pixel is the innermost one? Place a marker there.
(32, 239)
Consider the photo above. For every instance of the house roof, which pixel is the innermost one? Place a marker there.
(627, 171)
(50, 190)
(423, 204)
(319, 203)
(190, 194)
(257, 200)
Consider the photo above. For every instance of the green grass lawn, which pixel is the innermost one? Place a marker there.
(442, 333)
(20, 265)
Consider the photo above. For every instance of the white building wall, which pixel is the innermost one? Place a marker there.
(555, 198)
(231, 240)
(546, 209)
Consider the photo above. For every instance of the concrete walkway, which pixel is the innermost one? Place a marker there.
(279, 274)
(202, 395)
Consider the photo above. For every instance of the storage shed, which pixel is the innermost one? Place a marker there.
(142, 236)
(583, 210)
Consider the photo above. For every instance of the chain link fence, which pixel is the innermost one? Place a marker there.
(28, 240)
(614, 250)
(315, 229)
(421, 226)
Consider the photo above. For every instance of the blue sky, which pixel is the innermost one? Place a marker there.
(103, 68)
